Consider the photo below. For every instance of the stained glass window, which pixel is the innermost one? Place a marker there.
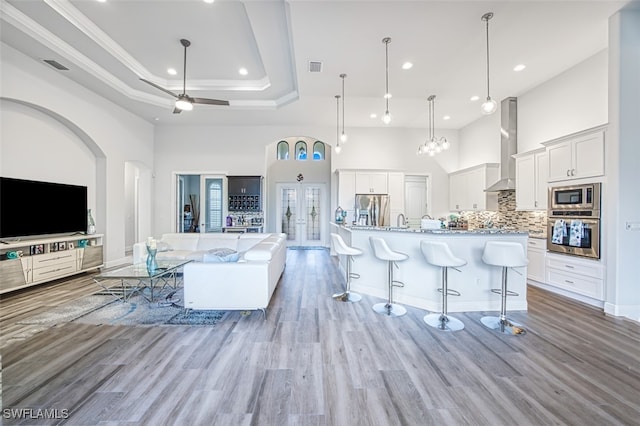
(283, 150)
(301, 150)
(318, 150)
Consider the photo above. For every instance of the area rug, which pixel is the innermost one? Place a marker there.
(165, 310)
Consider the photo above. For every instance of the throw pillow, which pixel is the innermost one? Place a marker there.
(221, 255)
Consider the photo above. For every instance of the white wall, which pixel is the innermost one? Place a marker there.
(110, 133)
(243, 150)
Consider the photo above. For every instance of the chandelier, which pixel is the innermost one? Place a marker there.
(432, 145)
(489, 106)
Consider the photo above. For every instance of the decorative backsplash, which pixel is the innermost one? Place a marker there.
(533, 221)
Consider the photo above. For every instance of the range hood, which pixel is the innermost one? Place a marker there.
(508, 146)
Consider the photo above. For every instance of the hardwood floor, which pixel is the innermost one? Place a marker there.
(315, 361)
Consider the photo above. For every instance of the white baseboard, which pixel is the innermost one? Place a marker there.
(575, 296)
(628, 311)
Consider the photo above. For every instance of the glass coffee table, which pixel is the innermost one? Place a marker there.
(137, 278)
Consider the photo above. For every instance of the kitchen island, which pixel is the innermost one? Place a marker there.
(422, 280)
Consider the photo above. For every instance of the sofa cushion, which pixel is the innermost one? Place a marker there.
(220, 255)
(262, 251)
(218, 240)
(248, 240)
(181, 241)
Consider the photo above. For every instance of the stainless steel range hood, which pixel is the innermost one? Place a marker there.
(508, 146)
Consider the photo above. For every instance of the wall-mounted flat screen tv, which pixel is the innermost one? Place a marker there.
(30, 208)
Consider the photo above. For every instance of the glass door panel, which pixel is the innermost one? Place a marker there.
(301, 213)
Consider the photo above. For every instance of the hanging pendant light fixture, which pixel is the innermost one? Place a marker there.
(489, 106)
(338, 148)
(386, 118)
(343, 136)
(432, 145)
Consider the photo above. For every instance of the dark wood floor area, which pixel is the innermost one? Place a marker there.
(315, 361)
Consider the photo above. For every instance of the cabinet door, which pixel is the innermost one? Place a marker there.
(541, 176)
(559, 160)
(525, 183)
(457, 191)
(379, 183)
(476, 182)
(588, 156)
(396, 192)
(536, 253)
(346, 194)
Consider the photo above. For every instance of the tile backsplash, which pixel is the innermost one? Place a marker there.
(507, 216)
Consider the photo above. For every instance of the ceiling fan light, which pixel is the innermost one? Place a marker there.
(489, 106)
(184, 105)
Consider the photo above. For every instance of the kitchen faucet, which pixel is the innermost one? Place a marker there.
(426, 216)
(404, 222)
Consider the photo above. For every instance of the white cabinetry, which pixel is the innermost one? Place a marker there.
(576, 156)
(346, 194)
(396, 194)
(371, 183)
(582, 276)
(48, 259)
(466, 188)
(531, 180)
(536, 253)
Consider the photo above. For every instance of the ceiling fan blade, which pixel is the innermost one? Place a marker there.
(177, 110)
(209, 101)
(160, 88)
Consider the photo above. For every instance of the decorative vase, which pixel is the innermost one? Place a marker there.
(91, 224)
(152, 265)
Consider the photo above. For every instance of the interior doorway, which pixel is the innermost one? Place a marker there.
(300, 211)
(200, 203)
(416, 199)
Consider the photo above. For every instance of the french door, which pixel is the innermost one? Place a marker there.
(301, 212)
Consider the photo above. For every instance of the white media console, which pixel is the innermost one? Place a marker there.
(34, 261)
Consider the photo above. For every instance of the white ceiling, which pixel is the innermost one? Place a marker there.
(108, 46)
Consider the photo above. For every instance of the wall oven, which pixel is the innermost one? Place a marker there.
(574, 220)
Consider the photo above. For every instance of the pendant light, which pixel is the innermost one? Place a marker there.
(338, 148)
(489, 106)
(433, 145)
(386, 118)
(343, 136)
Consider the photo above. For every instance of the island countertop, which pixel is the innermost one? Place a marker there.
(421, 280)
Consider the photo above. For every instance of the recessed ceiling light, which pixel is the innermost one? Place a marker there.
(156, 118)
(209, 1)
(519, 67)
(407, 66)
(373, 115)
(446, 117)
(474, 98)
(243, 71)
(171, 71)
(102, 1)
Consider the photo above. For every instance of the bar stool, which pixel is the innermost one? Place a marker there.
(439, 254)
(340, 247)
(382, 251)
(506, 255)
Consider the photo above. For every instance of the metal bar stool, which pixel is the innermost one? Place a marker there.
(506, 255)
(439, 254)
(382, 251)
(340, 247)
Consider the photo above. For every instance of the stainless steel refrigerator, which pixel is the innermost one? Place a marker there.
(372, 209)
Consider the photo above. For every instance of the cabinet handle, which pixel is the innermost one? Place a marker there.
(573, 172)
(568, 172)
(569, 266)
(569, 282)
(535, 204)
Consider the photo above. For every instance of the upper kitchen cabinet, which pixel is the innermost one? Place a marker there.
(580, 155)
(371, 183)
(466, 188)
(347, 193)
(531, 180)
(396, 193)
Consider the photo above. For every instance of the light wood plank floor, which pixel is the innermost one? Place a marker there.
(315, 361)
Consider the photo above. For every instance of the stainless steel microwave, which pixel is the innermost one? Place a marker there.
(575, 197)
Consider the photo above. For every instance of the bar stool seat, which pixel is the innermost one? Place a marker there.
(506, 255)
(340, 247)
(382, 252)
(438, 253)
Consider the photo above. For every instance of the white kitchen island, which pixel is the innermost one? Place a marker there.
(421, 280)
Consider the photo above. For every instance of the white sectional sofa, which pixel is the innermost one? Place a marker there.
(245, 284)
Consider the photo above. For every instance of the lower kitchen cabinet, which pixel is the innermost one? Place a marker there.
(581, 276)
(536, 253)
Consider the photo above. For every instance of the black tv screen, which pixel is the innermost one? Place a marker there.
(30, 208)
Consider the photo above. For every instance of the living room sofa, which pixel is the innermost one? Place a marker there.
(211, 284)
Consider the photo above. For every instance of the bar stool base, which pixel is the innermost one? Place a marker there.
(390, 310)
(347, 297)
(503, 326)
(451, 323)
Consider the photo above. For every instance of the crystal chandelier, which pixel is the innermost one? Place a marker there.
(432, 145)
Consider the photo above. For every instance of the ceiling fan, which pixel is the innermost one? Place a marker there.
(184, 101)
